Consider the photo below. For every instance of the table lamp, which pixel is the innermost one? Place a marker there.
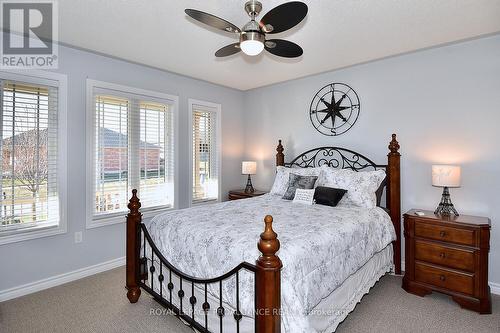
(446, 176)
(249, 168)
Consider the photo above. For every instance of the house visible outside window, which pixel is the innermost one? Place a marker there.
(31, 166)
(205, 148)
(132, 147)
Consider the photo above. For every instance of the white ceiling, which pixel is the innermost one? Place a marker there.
(335, 34)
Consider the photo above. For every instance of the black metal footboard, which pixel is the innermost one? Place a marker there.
(152, 261)
(147, 268)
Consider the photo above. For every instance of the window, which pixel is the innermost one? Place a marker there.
(132, 145)
(31, 186)
(205, 151)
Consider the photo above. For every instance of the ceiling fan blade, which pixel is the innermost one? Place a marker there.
(283, 17)
(212, 20)
(283, 48)
(228, 50)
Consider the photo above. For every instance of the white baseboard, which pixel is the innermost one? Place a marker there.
(495, 287)
(59, 279)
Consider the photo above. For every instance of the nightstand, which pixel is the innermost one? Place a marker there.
(448, 254)
(240, 194)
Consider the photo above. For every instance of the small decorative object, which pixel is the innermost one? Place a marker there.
(304, 196)
(249, 168)
(446, 176)
(334, 109)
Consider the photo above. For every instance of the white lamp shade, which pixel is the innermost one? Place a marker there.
(249, 168)
(446, 175)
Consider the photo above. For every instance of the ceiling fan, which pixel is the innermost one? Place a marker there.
(253, 34)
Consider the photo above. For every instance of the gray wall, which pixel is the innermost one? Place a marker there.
(32, 260)
(443, 103)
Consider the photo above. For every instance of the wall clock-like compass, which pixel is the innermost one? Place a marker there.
(334, 109)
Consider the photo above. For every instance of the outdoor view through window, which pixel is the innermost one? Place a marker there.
(29, 155)
(205, 157)
(133, 149)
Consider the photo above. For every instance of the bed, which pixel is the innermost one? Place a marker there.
(197, 262)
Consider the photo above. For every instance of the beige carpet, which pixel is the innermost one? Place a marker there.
(98, 304)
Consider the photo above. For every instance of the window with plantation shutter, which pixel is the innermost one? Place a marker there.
(29, 187)
(205, 151)
(132, 144)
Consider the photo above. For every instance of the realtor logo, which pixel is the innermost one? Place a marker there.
(29, 34)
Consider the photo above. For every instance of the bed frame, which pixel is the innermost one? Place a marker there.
(144, 258)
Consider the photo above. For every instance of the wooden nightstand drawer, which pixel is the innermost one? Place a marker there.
(443, 278)
(444, 255)
(445, 234)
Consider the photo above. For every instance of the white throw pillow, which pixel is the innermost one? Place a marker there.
(283, 175)
(304, 196)
(360, 185)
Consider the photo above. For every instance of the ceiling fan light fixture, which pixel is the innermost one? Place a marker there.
(253, 36)
(252, 43)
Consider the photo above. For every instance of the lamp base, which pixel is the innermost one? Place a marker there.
(446, 206)
(249, 187)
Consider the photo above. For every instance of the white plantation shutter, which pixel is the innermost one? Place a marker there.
(133, 148)
(29, 135)
(111, 154)
(156, 154)
(205, 154)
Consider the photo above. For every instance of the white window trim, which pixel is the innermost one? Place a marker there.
(218, 112)
(119, 217)
(46, 78)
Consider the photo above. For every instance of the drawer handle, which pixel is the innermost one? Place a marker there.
(442, 233)
(442, 278)
(442, 255)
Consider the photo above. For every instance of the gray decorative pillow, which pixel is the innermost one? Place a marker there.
(298, 181)
(283, 176)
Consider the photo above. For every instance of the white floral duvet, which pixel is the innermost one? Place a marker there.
(320, 247)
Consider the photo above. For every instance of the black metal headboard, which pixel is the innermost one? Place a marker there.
(335, 157)
(338, 158)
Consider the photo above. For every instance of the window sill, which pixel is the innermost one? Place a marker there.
(14, 236)
(122, 218)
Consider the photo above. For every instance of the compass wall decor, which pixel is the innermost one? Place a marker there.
(334, 109)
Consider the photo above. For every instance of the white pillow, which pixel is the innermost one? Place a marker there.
(283, 175)
(304, 196)
(360, 185)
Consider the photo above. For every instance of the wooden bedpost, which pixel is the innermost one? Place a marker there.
(133, 243)
(268, 282)
(280, 157)
(394, 197)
